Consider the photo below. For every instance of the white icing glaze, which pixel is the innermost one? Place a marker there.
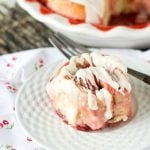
(86, 74)
(122, 81)
(92, 101)
(71, 68)
(104, 95)
(108, 62)
(106, 69)
(94, 9)
(87, 57)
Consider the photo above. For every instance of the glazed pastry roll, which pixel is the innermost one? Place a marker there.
(91, 91)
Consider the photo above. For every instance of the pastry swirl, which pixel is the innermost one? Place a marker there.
(91, 91)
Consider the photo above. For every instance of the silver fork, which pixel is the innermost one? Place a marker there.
(70, 48)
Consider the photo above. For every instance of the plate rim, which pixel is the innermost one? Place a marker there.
(56, 64)
(17, 110)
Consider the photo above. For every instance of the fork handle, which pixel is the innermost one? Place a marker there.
(141, 76)
(147, 80)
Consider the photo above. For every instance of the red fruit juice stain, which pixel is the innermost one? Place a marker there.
(45, 10)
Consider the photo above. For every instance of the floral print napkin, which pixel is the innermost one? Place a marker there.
(14, 71)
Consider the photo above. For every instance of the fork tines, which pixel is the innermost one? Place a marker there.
(68, 47)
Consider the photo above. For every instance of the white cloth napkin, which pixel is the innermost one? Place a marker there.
(14, 70)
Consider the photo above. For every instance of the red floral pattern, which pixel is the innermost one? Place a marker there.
(14, 58)
(40, 63)
(7, 147)
(29, 139)
(8, 65)
(12, 88)
(4, 124)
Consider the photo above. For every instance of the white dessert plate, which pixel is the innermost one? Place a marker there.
(39, 121)
(122, 37)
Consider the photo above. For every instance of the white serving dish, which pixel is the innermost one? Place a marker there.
(118, 37)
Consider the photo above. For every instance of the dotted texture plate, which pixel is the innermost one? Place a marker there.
(38, 119)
